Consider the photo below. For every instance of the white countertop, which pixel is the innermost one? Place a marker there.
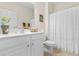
(18, 34)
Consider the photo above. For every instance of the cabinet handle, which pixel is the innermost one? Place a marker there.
(27, 45)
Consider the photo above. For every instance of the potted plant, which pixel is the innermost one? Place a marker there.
(5, 24)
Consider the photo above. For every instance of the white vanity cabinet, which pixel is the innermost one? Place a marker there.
(23, 45)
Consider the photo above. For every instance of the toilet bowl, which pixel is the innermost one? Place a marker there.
(49, 46)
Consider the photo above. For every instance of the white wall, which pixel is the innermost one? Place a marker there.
(51, 7)
(39, 9)
(23, 13)
(58, 6)
(46, 19)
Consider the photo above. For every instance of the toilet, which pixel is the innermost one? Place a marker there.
(49, 46)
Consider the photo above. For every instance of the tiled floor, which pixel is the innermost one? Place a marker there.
(57, 52)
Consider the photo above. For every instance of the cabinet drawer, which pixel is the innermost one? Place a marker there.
(20, 38)
(38, 36)
(15, 50)
(12, 41)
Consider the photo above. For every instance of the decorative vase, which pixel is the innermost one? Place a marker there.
(5, 29)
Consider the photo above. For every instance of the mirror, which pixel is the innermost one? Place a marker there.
(21, 15)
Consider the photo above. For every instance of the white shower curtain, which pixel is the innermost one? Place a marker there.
(64, 29)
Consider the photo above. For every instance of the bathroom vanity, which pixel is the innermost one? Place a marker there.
(22, 44)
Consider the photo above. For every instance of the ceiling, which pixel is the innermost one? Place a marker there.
(31, 4)
(27, 4)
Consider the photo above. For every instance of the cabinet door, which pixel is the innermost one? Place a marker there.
(22, 50)
(37, 47)
(16, 46)
(19, 50)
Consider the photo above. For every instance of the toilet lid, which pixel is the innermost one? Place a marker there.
(49, 43)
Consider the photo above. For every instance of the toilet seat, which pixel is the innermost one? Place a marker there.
(49, 43)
